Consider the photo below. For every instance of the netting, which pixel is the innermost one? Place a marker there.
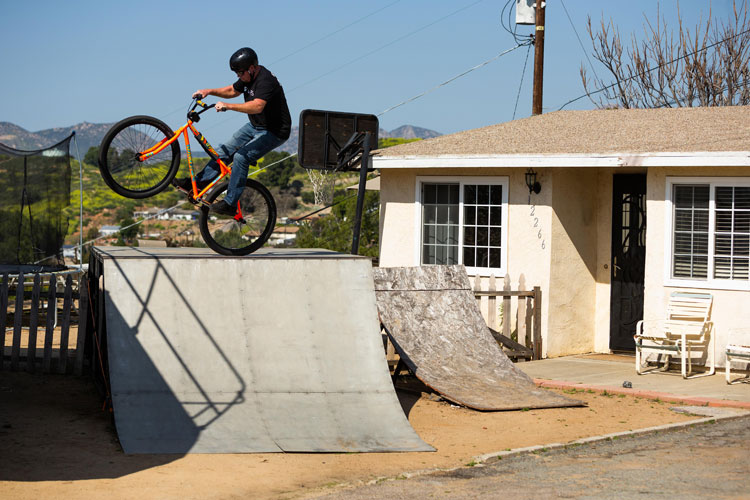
(34, 191)
(323, 182)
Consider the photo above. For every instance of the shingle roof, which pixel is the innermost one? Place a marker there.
(598, 131)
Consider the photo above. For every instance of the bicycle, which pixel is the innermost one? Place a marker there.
(140, 156)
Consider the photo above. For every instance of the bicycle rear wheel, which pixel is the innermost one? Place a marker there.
(119, 162)
(245, 232)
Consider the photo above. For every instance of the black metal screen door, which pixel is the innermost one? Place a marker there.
(628, 258)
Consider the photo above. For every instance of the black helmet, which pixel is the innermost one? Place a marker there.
(243, 59)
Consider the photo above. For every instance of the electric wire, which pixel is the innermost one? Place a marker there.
(256, 172)
(521, 40)
(485, 63)
(649, 70)
(578, 37)
(329, 35)
(520, 84)
(392, 42)
(367, 54)
(301, 49)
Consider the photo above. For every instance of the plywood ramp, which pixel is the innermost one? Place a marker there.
(432, 318)
(277, 351)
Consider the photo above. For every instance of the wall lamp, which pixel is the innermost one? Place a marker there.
(531, 182)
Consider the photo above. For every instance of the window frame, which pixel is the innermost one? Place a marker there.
(710, 282)
(499, 180)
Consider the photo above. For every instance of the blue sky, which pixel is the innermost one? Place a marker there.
(67, 62)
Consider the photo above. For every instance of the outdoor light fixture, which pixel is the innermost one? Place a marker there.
(532, 183)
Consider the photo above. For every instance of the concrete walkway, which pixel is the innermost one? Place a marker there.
(608, 371)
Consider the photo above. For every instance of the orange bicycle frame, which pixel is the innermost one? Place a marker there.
(224, 169)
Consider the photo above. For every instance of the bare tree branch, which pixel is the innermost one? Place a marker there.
(707, 65)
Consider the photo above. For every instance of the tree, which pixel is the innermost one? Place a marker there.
(707, 66)
(92, 156)
(280, 174)
(335, 231)
(129, 230)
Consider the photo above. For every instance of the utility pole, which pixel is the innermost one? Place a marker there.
(536, 106)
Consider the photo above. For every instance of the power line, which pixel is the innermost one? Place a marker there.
(579, 38)
(367, 54)
(450, 80)
(521, 40)
(520, 84)
(654, 68)
(329, 35)
(297, 51)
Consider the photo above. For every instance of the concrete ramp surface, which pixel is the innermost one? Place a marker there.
(432, 318)
(277, 351)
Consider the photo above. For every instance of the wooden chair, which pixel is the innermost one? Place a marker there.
(738, 349)
(686, 327)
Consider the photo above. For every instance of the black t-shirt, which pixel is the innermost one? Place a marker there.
(275, 116)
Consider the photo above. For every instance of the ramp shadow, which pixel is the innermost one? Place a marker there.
(149, 416)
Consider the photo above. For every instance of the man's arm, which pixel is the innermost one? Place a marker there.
(250, 107)
(227, 92)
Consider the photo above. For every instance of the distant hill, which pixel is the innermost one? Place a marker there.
(87, 135)
(90, 134)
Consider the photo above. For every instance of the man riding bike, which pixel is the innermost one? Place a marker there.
(269, 126)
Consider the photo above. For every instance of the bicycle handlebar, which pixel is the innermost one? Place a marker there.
(192, 114)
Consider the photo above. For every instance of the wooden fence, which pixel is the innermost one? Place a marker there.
(519, 314)
(37, 312)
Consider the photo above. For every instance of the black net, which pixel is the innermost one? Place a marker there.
(35, 189)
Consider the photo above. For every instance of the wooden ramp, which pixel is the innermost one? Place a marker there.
(431, 316)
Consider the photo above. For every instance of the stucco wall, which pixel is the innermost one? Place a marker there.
(572, 295)
(538, 241)
(731, 308)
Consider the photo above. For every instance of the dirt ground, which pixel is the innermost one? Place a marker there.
(56, 442)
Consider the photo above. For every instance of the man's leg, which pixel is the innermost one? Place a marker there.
(241, 137)
(247, 155)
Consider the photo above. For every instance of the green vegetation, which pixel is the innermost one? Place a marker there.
(393, 141)
(287, 180)
(334, 232)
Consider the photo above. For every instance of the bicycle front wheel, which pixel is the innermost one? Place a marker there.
(119, 157)
(245, 232)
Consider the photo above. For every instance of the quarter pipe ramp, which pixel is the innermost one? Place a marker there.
(277, 351)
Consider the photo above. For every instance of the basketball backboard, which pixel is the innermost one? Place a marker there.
(323, 134)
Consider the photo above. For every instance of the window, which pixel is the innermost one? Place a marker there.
(710, 231)
(464, 221)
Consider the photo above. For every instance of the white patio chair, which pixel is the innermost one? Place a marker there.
(685, 328)
(738, 349)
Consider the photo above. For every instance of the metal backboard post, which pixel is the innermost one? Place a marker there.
(361, 192)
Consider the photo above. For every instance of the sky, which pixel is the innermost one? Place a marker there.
(101, 61)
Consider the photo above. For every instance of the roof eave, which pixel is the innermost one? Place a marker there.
(668, 159)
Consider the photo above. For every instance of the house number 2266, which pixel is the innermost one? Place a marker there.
(536, 225)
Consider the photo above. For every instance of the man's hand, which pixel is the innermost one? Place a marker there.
(221, 106)
(200, 94)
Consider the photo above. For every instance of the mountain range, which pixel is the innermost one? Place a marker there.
(90, 134)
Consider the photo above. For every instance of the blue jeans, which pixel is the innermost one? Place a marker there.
(245, 148)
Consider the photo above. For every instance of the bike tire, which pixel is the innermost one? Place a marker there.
(119, 164)
(227, 236)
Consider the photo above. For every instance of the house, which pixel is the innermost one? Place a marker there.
(283, 235)
(631, 205)
(72, 252)
(109, 230)
(161, 214)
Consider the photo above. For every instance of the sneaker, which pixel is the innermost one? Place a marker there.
(223, 208)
